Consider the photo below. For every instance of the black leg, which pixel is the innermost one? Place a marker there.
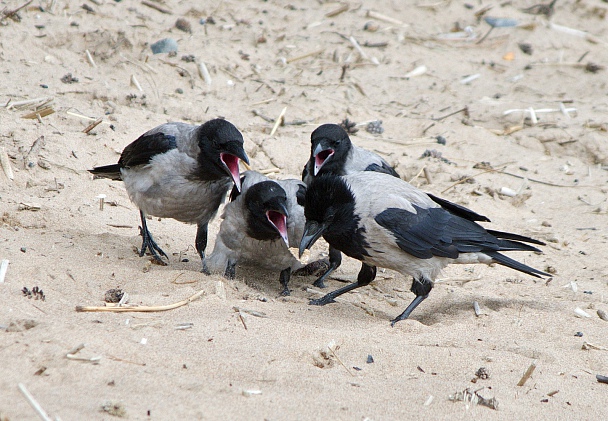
(201, 245)
(421, 288)
(284, 279)
(230, 272)
(335, 260)
(149, 243)
(366, 275)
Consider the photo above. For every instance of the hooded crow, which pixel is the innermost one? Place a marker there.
(260, 224)
(332, 152)
(384, 221)
(179, 171)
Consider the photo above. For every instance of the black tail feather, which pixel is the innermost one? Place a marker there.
(509, 245)
(514, 264)
(516, 237)
(107, 171)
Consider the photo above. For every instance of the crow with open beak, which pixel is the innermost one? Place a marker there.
(384, 221)
(332, 152)
(180, 171)
(260, 223)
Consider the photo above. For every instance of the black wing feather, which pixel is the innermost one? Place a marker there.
(385, 169)
(142, 150)
(301, 195)
(458, 210)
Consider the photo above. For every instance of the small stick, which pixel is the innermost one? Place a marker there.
(145, 309)
(6, 165)
(38, 114)
(270, 170)
(203, 73)
(601, 379)
(246, 165)
(265, 101)
(462, 110)
(102, 199)
(3, 269)
(242, 318)
(84, 117)
(93, 125)
(90, 59)
(13, 12)
(337, 11)
(527, 374)
(75, 350)
(135, 83)
(32, 155)
(476, 308)
(355, 44)
(28, 396)
(312, 53)
(427, 175)
(156, 7)
(17, 104)
(330, 347)
(278, 121)
(380, 16)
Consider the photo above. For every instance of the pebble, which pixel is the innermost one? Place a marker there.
(602, 315)
(500, 22)
(165, 45)
(370, 359)
(375, 127)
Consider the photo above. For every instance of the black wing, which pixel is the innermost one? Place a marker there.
(142, 150)
(435, 232)
(385, 168)
(457, 209)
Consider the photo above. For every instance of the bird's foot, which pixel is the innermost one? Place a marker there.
(326, 299)
(286, 292)
(149, 244)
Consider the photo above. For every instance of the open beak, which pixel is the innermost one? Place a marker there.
(321, 154)
(278, 218)
(312, 231)
(230, 158)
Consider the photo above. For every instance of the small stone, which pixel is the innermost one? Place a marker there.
(370, 359)
(441, 140)
(483, 373)
(69, 79)
(602, 315)
(180, 91)
(375, 127)
(189, 58)
(525, 48)
(113, 295)
(116, 409)
(579, 334)
(183, 25)
(165, 45)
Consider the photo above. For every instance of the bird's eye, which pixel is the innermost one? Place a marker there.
(338, 142)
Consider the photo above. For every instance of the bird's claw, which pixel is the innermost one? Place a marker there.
(321, 301)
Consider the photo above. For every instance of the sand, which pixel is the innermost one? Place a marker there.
(207, 361)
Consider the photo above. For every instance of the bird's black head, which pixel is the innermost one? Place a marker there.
(329, 149)
(221, 145)
(267, 214)
(329, 207)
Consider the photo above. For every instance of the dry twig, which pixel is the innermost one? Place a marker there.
(144, 309)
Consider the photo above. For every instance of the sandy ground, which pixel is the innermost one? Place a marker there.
(265, 56)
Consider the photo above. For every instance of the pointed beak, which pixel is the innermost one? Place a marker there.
(278, 218)
(321, 154)
(230, 158)
(312, 231)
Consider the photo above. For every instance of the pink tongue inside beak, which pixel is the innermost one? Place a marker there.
(232, 162)
(320, 159)
(280, 223)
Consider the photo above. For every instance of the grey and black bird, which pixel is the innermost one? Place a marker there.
(260, 223)
(384, 221)
(180, 171)
(332, 152)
